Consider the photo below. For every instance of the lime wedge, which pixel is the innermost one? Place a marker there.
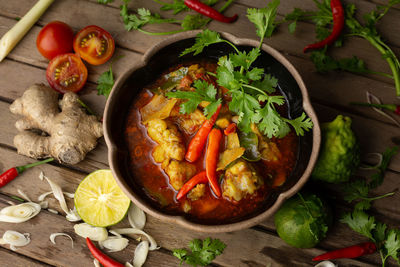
(99, 201)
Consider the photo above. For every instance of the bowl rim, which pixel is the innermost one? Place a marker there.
(179, 219)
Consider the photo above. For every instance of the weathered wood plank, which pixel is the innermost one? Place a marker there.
(168, 235)
(10, 258)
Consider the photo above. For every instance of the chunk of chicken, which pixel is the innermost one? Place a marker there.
(190, 123)
(240, 180)
(179, 172)
(268, 149)
(197, 192)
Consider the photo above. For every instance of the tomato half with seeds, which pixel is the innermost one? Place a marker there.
(66, 72)
(94, 44)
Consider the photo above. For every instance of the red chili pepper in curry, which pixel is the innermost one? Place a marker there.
(198, 142)
(349, 252)
(212, 154)
(338, 24)
(209, 11)
(200, 178)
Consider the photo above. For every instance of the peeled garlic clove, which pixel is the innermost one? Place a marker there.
(141, 252)
(114, 244)
(94, 233)
(136, 217)
(54, 235)
(133, 231)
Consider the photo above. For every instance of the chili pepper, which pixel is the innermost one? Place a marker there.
(200, 178)
(209, 11)
(390, 107)
(100, 256)
(212, 154)
(338, 24)
(10, 174)
(198, 142)
(230, 129)
(349, 252)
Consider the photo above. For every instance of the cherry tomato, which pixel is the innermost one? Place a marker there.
(66, 73)
(94, 44)
(54, 39)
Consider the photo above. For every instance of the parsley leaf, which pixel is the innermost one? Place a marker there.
(105, 82)
(203, 252)
(204, 92)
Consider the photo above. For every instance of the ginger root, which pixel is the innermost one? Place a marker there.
(67, 135)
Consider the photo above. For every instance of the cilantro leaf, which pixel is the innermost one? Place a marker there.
(301, 124)
(264, 19)
(268, 84)
(204, 92)
(177, 6)
(325, 63)
(203, 39)
(360, 222)
(105, 82)
(392, 245)
(377, 178)
(104, 2)
(193, 22)
(203, 252)
(355, 190)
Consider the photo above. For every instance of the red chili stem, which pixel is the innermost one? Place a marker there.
(200, 178)
(100, 256)
(349, 252)
(10, 174)
(212, 154)
(198, 142)
(338, 24)
(230, 129)
(209, 11)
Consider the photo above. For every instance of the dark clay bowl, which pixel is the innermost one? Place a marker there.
(166, 54)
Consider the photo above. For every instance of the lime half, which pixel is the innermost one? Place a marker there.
(99, 201)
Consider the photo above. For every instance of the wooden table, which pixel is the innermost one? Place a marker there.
(258, 246)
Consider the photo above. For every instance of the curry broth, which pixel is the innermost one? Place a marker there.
(154, 182)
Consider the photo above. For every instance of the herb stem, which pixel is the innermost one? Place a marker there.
(392, 64)
(159, 33)
(378, 197)
(255, 88)
(226, 41)
(221, 10)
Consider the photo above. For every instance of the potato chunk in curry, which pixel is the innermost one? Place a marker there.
(240, 180)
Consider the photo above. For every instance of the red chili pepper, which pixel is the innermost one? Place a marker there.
(100, 256)
(10, 174)
(212, 154)
(390, 107)
(209, 11)
(198, 142)
(338, 24)
(349, 252)
(200, 178)
(230, 129)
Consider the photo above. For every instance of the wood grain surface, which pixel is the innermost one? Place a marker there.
(259, 246)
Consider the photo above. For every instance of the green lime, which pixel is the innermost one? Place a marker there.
(303, 220)
(99, 201)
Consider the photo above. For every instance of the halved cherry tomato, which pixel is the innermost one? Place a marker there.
(94, 44)
(66, 73)
(55, 39)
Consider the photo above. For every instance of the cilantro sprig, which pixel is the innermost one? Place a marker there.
(387, 241)
(366, 29)
(145, 16)
(105, 82)
(202, 252)
(358, 190)
(251, 89)
(204, 92)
